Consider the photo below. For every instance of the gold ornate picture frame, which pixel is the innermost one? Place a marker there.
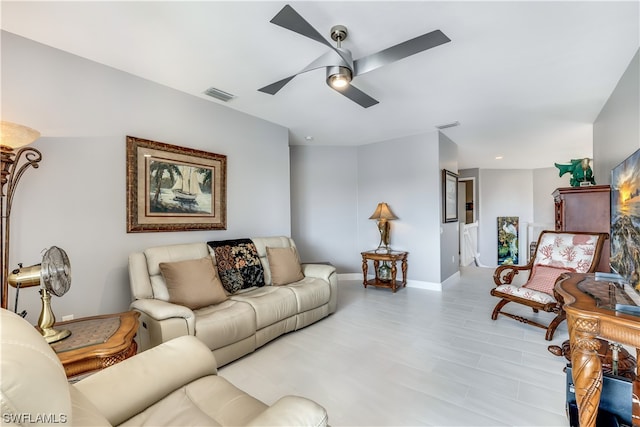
(172, 188)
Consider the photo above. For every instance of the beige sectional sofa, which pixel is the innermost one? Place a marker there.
(243, 320)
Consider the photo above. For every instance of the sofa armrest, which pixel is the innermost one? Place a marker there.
(161, 321)
(162, 310)
(327, 273)
(320, 271)
(127, 388)
(292, 411)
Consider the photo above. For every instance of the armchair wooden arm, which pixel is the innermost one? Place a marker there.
(505, 274)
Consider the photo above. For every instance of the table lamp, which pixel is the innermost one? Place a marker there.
(383, 215)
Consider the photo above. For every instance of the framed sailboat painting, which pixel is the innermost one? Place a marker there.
(172, 188)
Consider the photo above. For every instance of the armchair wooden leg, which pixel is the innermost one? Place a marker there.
(554, 324)
(498, 307)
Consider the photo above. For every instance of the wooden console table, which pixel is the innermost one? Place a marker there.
(392, 257)
(97, 342)
(591, 313)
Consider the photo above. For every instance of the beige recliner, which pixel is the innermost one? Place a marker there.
(172, 384)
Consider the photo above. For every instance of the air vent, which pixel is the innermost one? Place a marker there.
(449, 125)
(219, 94)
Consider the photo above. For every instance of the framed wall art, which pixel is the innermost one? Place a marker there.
(449, 196)
(625, 220)
(172, 188)
(508, 245)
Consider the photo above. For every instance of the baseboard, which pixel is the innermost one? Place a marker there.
(418, 284)
(429, 286)
(350, 276)
(454, 278)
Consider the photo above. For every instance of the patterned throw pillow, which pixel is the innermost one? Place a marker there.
(239, 265)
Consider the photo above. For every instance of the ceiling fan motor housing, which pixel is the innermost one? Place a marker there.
(339, 33)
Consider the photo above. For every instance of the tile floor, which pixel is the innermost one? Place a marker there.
(415, 358)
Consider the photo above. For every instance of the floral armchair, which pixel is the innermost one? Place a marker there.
(557, 252)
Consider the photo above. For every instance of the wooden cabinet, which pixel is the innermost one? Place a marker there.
(585, 209)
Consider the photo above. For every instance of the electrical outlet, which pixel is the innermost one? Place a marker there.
(67, 317)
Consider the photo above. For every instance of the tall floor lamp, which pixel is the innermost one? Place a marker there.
(12, 165)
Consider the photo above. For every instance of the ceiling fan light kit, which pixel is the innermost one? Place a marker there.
(340, 66)
(338, 77)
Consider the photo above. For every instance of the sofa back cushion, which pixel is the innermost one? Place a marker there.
(284, 265)
(193, 283)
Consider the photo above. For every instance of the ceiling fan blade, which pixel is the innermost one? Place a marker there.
(399, 51)
(325, 60)
(291, 20)
(357, 96)
(273, 88)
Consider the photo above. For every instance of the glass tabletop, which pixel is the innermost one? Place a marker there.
(612, 295)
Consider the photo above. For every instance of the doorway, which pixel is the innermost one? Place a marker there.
(467, 216)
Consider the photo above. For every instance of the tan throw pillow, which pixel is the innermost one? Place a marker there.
(284, 265)
(193, 283)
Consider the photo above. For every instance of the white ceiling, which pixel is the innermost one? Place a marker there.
(526, 80)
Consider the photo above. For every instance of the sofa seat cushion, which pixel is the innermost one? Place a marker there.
(310, 293)
(225, 323)
(208, 401)
(270, 303)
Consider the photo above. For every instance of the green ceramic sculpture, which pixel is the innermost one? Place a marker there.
(580, 170)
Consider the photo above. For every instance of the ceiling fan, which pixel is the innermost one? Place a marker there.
(340, 66)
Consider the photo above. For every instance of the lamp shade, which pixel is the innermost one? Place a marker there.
(14, 135)
(383, 212)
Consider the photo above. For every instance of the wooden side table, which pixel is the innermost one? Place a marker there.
(392, 257)
(97, 342)
(591, 314)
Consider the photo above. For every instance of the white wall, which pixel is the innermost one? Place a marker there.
(334, 190)
(503, 192)
(545, 181)
(324, 208)
(76, 199)
(616, 131)
(450, 232)
(405, 173)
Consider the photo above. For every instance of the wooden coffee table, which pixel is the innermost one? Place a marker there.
(97, 342)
